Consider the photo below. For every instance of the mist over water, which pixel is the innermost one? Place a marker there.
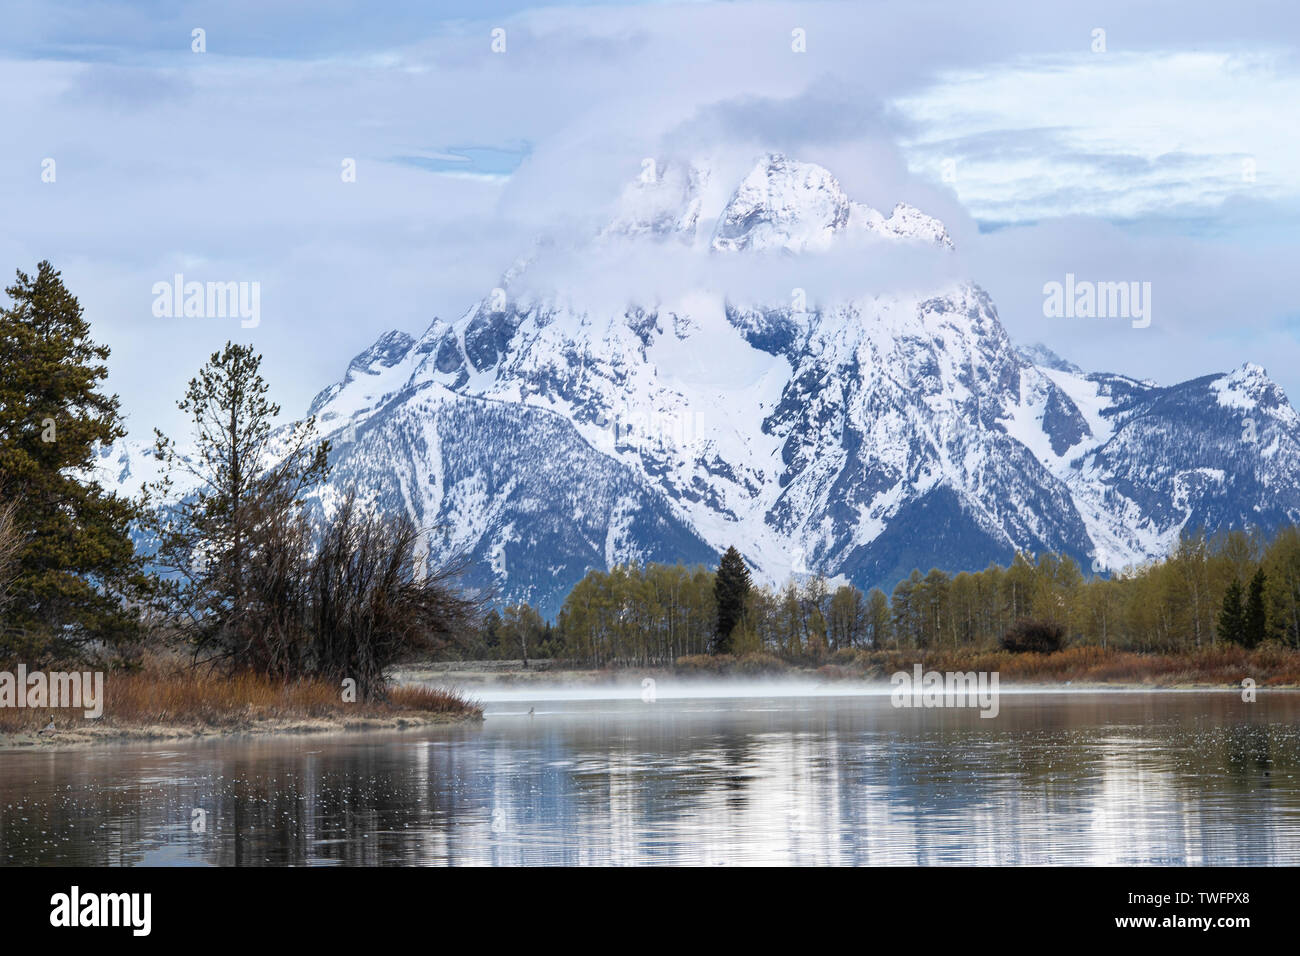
(788, 774)
(632, 688)
(731, 688)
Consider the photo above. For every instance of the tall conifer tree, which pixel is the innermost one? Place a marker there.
(75, 572)
(215, 505)
(731, 589)
(1231, 616)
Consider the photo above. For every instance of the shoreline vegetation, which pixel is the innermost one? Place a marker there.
(1211, 595)
(218, 600)
(1222, 667)
(182, 704)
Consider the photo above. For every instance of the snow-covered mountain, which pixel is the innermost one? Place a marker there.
(546, 433)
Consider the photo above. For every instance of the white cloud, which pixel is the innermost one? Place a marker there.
(1118, 135)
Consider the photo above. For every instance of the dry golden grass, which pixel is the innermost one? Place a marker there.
(1214, 666)
(175, 697)
(752, 664)
(1223, 665)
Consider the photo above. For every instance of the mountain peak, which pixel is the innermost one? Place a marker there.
(368, 368)
(783, 204)
(908, 222)
(663, 201)
(1040, 355)
(385, 352)
(1249, 387)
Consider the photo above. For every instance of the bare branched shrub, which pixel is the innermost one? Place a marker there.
(272, 634)
(348, 606)
(370, 604)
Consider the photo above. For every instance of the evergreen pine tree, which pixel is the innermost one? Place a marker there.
(1255, 618)
(75, 567)
(242, 486)
(730, 589)
(1231, 616)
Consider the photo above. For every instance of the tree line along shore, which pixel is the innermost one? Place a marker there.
(1219, 608)
(1080, 667)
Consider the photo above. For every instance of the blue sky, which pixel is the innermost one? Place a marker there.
(1172, 157)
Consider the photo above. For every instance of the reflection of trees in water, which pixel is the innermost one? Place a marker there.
(1204, 774)
(356, 811)
(1190, 773)
(353, 810)
(84, 821)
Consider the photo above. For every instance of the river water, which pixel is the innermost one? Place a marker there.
(761, 776)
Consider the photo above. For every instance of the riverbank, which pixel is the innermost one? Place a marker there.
(1217, 667)
(185, 705)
